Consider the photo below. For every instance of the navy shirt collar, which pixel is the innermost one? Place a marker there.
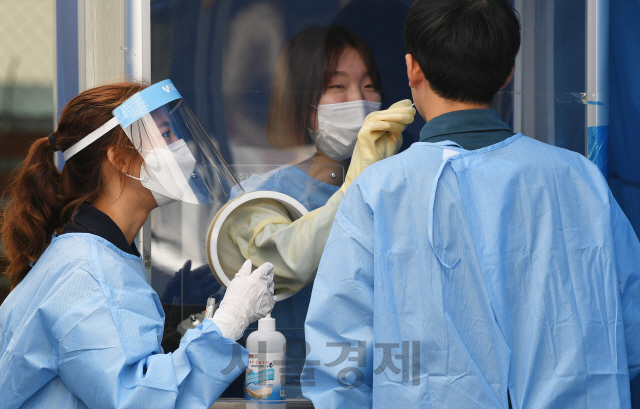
(472, 129)
(88, 219)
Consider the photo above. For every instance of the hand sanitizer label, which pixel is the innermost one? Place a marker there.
(265, 377)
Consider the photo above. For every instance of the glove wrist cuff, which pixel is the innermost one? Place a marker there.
(231, 325)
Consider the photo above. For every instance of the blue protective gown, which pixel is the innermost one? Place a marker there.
(294, 182)
(83, 329)
(448, 283)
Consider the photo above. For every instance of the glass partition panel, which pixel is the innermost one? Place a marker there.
(253, 73)
(256, 95)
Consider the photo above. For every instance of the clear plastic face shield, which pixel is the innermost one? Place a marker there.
(179, 160)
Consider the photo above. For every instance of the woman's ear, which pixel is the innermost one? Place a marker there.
(125, 164)
(117, 160)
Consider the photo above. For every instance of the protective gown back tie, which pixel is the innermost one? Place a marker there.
(432, 200)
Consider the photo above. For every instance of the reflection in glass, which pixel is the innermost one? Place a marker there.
(222, 56)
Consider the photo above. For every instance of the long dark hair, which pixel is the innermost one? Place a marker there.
(43, 199)
(302, 72)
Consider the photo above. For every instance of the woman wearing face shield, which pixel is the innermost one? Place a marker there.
(326, 84)
(82, 325)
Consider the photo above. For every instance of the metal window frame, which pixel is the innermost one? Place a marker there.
(596, 95)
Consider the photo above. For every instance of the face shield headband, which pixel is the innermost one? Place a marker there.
(179, 159)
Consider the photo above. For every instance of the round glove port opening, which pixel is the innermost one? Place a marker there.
(225, 258)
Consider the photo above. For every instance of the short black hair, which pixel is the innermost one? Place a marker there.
(465, 48)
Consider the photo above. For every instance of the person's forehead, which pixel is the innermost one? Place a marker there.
(350, 74)
(350, 63)
(161, 116)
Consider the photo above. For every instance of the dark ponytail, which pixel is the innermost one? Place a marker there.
(42, 199)
(31, 214)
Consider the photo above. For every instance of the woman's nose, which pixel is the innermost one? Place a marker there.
(355, 94)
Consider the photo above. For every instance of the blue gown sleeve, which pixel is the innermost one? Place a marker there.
(627, 254)
(109, 356)
(339, 325)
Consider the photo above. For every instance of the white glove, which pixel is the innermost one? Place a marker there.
(248, 298)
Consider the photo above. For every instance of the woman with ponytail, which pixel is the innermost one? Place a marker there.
(43, 200)
(82, 326)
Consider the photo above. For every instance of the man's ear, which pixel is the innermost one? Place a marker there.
(414, 72)
(509, 78)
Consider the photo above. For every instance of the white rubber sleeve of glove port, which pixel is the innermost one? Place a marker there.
(248, 298)
(263, 230)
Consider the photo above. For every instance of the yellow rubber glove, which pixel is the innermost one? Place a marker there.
(263, 231)
(379, 138)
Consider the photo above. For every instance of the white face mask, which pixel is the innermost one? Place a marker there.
(159, 180)
(338, 126)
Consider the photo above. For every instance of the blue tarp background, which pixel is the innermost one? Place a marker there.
(624, 120)
(624, 88)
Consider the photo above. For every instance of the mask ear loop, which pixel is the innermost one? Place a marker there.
(133, 177)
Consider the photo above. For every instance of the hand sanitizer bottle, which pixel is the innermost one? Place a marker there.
(265, 376)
